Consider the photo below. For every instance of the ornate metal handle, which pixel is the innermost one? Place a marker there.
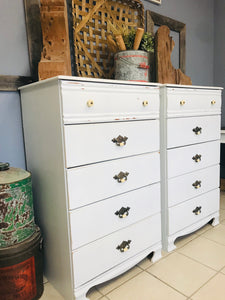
(197, 184)
(182, 102)
(124, 246)
(123, 212)
(197, 158)
(145, 103)
(213, 102)
(120, 140)
(197, 130)
(197, 210)
(121, 177)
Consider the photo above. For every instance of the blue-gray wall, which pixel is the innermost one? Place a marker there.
(219, 49)
(13, 61)
(199, 19)
(205, 48)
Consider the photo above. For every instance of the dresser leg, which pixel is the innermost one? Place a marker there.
(156, 255)
(216, 221)
(171, 246)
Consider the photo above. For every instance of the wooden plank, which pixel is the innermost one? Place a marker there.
(149, 23)
(163, 20)
(11, 83)
(55, 56)
(182, 49)
(34, 35)
(150, 29)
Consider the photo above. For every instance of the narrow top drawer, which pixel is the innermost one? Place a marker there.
(95, 102)
(193, 102)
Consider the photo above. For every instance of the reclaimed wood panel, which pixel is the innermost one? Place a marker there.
(12, 83)
(55, 56)
(34, 35)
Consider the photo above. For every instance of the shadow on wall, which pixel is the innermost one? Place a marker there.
(11, 135)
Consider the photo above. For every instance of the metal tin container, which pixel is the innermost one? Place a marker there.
(16, 206)
(132, 65)
(21, 270)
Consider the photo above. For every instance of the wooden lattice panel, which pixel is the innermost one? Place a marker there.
(91, 23)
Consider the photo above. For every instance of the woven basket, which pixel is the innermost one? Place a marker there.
(91, 24)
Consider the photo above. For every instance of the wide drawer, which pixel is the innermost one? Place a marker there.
(192, 158)
(100, 180)
(92, 222)
(191, 102)
(187, 131)
(99, 102)
(193, 184)
(192, 211)
(89, 143)
(97, 257)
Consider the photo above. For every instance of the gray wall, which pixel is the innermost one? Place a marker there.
(203, 28)
(219, 50)
(13, 61)
(199, 19)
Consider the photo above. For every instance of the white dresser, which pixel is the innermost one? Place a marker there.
(190, 157)
(92, 147)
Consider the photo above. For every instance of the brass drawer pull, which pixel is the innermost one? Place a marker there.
(182, 102)
(123, 212)
(90, 103)
(120, 140)
(197, 158)
(197, 184)
(145, 103)
(121, 177)
(124, 246)
(213, 102)
(197, 210)
(197, 130)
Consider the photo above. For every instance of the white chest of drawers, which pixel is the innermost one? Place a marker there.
(190, 156)
(93, 149)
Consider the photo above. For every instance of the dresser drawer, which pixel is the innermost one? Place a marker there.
(96, 182)
(188, 102)
(193, 184)
(89, 143)
(92, 222)
(182, 215)
(94, 102)
(194, 130)
(98, 257)
(192, 158)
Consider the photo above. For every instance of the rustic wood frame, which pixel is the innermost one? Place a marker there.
(153, 18)
(34, 34)
(11, 83)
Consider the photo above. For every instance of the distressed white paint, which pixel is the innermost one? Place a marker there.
(73, 160)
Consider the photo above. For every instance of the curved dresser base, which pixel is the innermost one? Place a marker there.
(80, 293)
(169, 244)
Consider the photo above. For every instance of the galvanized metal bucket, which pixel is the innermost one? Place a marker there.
(16, 206)
(132, 65)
